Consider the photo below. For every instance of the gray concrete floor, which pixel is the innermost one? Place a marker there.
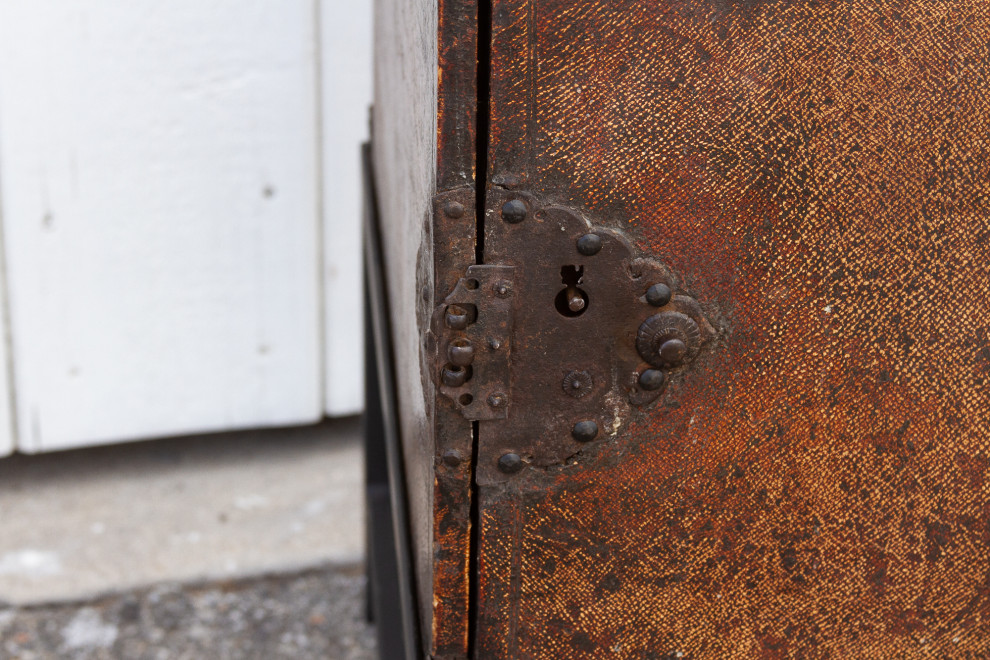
(252, 541)
(311, 615)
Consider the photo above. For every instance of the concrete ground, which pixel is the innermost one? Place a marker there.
(241, 545)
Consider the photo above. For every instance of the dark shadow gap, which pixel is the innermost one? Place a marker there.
(483, 114)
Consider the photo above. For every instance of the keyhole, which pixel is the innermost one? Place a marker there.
(571, 301)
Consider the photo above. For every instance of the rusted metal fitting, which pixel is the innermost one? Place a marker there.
(510, 463)
(577, 384)
(587, 310)
(454, 375)
(652, 379)
(497, 400)
(502, 289)
(453, 209)
(452, 458)
(457, 318)
(460, 352)
(589, 244)
(514, 211)
(471, 315)
(673, 351)
(659, 294)
(585, 431)
(668, 339)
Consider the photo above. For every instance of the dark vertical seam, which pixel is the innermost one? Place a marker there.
(482, 119)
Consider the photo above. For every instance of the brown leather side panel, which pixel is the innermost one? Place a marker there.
(817, 176)
(423, 141)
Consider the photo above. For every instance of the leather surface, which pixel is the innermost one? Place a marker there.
(816, 174)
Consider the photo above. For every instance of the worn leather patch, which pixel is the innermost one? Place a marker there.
(816, 484)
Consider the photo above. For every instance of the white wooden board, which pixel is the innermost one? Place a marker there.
(159, 167)
(346, 69)
(7, 441)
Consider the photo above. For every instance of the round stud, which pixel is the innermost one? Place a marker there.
(497, 400)
(453, 209)
(452, 458)
(668, 339)
(589, 244)
(658, 295)
(510, 463)
(514, 211)
(652, 379)
(673, 351)
(585, 431)
(577, 384)
(502, 289)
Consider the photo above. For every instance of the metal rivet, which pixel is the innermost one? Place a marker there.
(457, 317)
(510, 463)
(652, 379)
(585, 431)
(577, 384)
(514, 211)
(658, 295)
(667, 339)
(460, 352)
(589, 244)
(673, 351)
(502, 289)
(494, 343)
(452, 458)
(453, 209)
(454, 376)
(497, 400)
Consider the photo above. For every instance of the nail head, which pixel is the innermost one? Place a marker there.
(589, 244)
(673, 351)
(510, 463)
(514, 211)
(659, 294)
(652, 379)
(585, 431)
(453, 209)
(497, 400)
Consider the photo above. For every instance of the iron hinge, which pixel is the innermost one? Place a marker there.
(474, 327)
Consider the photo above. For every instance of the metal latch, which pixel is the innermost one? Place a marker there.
(474, 325)
(562, 338)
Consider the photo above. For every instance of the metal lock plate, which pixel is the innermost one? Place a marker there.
(555, 344)
(582, 318)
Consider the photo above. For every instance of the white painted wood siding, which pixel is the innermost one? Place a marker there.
(160, 171)
(346, 68)
(7, 442)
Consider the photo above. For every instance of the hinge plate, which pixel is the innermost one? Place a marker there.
(473, 330)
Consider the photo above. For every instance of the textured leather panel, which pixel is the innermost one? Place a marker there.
(816, 173)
